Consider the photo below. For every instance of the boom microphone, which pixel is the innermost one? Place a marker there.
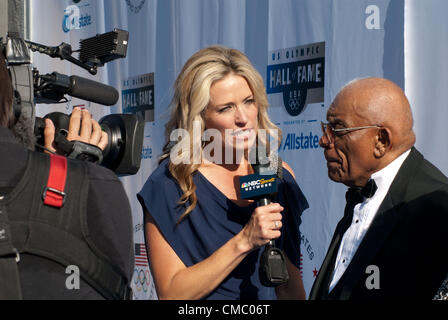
(93, 91)
(52, 87)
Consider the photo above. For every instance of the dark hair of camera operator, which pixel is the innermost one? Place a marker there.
(6, 116)
(105, 215)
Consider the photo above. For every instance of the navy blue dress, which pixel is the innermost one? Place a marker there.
(214, 221)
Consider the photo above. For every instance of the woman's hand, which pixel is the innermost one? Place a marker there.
(263, 226)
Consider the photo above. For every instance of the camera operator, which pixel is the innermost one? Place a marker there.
(83, 250)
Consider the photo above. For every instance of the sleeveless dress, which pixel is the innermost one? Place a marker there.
(214, 221)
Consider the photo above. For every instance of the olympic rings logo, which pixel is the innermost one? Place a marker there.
(142, 279)
(294, 100)
(293, 104)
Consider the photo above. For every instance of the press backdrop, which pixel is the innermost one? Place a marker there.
(306, 50)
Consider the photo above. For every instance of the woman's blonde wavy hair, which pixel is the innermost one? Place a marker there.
(191, 98)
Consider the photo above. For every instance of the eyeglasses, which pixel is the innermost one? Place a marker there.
(329, 132)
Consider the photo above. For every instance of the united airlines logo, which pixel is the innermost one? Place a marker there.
(298, 74)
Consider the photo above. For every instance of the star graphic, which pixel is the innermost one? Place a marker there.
(315, 272)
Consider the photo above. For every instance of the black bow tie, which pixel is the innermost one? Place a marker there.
(356, 195)
(369, 189)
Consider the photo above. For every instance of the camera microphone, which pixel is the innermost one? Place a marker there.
(53, 86)
(93, 91)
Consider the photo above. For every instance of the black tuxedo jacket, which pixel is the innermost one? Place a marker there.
(406, 241)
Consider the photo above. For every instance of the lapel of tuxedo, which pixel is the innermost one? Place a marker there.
(385, 220)
(322, 282)
(320, 286)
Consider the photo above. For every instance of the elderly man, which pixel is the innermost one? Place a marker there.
(391, 243)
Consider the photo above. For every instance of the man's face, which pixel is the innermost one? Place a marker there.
(350, 156)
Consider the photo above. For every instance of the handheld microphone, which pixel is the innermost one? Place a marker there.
(74, 86)
(260, 186)
(264, 169)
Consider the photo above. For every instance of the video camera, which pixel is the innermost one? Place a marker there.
(125, 131)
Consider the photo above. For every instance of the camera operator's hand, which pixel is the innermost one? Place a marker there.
(81, 128)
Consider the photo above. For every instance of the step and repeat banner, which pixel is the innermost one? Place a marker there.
(306, 50)
(426, 48)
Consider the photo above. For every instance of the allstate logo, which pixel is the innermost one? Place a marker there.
(298, 74)
(71, 17)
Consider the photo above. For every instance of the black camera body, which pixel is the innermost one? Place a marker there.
(125, 131)
(125, 140)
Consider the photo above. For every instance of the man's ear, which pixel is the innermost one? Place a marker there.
(382, 142)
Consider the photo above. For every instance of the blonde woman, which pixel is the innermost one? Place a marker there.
(204, 240)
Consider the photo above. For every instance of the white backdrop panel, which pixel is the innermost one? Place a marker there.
(362, 38)
(426, 50)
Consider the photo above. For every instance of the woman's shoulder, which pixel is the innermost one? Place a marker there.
(161, 180)
(288, 169)
(162, 171)
(290, 186)
(160, 188)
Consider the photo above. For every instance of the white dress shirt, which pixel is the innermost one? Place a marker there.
(363, 215)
